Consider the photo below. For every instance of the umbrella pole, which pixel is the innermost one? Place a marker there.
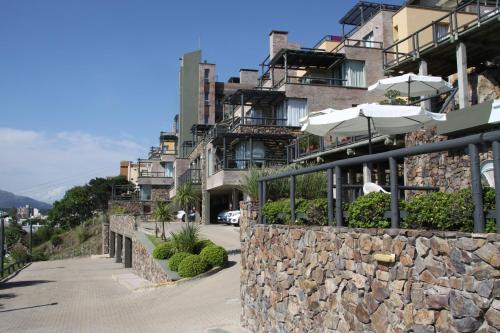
(369, 136)
(408, 91)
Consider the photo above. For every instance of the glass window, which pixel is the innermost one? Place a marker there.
(206, 74)
(145, 192)
(355, 73)
(368, 40)
(296, 108)
(169, 169)
(207, 97)
(442, 31)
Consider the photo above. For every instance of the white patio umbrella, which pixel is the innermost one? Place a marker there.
(362, 119)
(412, 85)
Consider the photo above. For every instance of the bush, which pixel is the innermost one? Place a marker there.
(56, 240)
(272, 209)
(185, 239)
(19, 252)
(39, 255)
(164, 250)
(83, 234)
(215, 255)
(176, 259)
(368, 211)
(193, 265)
(42, 235)
(279, 212)
(201, 244)
(440, 211)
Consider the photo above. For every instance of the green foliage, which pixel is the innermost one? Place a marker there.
(279, 212)
(19, 252)
(56, 240)
(176, 259)
(80, 202)
(164, 250)
(83, 233)
(368, 211)
(193, 265)
(185, 239)
(201, 244)
(215, 255)
(250, 183)
(42, 235)
(14, 234)
(39, 255)
(311, 186)
(441, 211)
(118, 210)
(186, 196)
(164, 212)
(393, 98)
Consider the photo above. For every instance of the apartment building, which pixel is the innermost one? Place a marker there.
(458, 40)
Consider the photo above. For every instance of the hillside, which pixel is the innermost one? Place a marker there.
(9, 200)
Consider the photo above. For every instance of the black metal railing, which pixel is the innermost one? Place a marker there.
(411, 46)
(260, 121)
(312, 80)
(124, 193)
(155, 174)
(192, 176)
(351, 42)
(394, 157)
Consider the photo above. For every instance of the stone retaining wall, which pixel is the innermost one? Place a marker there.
(122, 224)
(144, 264)
(326, 279)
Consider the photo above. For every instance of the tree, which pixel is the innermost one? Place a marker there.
(164, 212)
(14, 234)
(393, 98)
(186, 196)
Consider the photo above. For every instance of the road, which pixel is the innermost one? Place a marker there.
(79, 295)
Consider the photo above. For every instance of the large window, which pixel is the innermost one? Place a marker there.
(244, 154)
(368, 40)
(354, 72)
(292, 109)
(207, 74)
(169, 169)
(145, 192)
(442, 31)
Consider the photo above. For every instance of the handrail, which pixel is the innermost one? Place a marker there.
(358, 43)
(154, 174)
(454, 30)
(12, 268)
(471, 142)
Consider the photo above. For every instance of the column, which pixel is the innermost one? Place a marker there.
(119, 247)
(128, 253)
(422, 70)
(463, 82)
(112, 244)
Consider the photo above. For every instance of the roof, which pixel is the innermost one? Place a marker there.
(305, 58)
(364, 10)
(255, 97)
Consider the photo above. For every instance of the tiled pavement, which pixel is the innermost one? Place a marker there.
(79, 295)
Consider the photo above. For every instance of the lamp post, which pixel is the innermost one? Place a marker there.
(2, 242)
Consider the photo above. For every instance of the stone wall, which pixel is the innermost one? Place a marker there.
(326, 279)
(450, 171)
(122, 224)
(105, 238)
(144, 264)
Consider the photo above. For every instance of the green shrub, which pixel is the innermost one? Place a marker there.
(279, 212)
(316, 211)
(215, 255)
(368, 211)
(176, 259)
(164, 250)
(83, 234)
(42, 235)
(56, 240)
(271, 210)
(39, 255)
(185, 239)
(19, 252)
(440, 211)
(201, 244)
(193, 265)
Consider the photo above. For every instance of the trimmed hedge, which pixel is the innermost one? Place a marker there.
(176, 259)
(368, 211)
(215, 255)
(201, 244)
(164, 251)
(279, 212)
(193, 265)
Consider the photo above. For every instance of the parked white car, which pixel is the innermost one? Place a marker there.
(181, 216)
(233, 217)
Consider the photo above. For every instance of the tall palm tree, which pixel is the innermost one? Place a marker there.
(186, 196)
(164, 212)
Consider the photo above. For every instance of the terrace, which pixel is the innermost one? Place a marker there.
(154, 172)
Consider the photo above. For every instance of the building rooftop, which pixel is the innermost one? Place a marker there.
(363, 11)
(302, 58)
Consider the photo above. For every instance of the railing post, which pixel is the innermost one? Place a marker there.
(434, 34)
(264, 199)
(2, 238)
(338, 197)
(477, 190)
(329, 194)
(393, 166)
(496, 170)
(292, 199)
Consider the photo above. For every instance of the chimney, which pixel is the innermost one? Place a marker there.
(249, 76)
(277, 41)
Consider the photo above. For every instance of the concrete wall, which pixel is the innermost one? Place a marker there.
(326, 279)
(381, 27)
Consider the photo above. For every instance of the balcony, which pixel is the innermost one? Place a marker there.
(245, 164)
(155, 178)
(192, 176)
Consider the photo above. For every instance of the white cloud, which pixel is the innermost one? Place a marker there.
(44, 166)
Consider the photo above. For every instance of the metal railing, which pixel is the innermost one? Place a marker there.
(260, 121)
(192, 176)
(245, 164)
(311, 80)
(124, 193)
(12, 268)
(350, 42)
(155, 174)
(416, 42)
(337, 168)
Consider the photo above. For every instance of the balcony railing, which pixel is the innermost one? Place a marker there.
(350, 42)
(192, 176)
(155, 174)
(410, 47)
(260, 121)
(124, 193)
(311, 80)
(245, 164)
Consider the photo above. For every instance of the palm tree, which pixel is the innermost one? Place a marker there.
(164, 212)
(186, 196)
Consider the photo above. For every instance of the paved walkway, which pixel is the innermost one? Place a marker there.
(79, 295)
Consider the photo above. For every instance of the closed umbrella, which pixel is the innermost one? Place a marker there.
(412, 85)
(362, 119)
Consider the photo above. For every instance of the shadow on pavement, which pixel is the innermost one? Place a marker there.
(29, 307)
(230, 264)
(19, 284)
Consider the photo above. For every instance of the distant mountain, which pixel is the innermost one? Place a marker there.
(8, 200)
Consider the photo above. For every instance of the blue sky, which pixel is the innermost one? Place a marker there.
(106, 71)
